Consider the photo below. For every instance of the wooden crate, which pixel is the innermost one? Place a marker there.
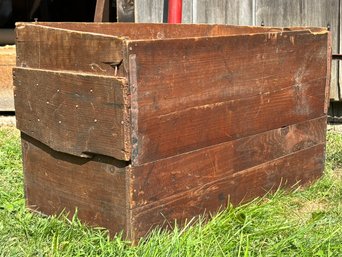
(138, 125)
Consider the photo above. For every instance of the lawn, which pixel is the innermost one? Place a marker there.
(303, 222)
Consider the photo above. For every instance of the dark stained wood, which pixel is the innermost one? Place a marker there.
(300, 167)
(193, 93)
(74, 113)
(167, 177)
(56, 182)
(57, 49)
(224, 12)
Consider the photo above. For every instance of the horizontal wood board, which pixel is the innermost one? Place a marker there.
(295, 169)
(281, 13)
(189, 172)
(57, 182)
(50, 48)
(144, 31)
(74, 113)
(193, 93)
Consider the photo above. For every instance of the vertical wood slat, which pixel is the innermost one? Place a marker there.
(101, 11)
(225, 11)
(150, 11)
(339, 64)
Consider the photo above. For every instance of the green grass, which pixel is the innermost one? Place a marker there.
(305, 222)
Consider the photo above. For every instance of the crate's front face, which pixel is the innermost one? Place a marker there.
(229, 117)
(72, 107)
(167, 126)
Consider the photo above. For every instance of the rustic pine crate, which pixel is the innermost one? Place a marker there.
(138, 125)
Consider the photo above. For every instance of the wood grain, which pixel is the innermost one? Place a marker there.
(167, 177)
(193, 93)
(50, 48)
(295, 169)
(74, 113)
(57, 182)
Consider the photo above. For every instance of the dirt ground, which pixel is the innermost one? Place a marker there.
(335, 127)
(7, 120)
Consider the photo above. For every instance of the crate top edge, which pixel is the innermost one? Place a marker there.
(87, 27)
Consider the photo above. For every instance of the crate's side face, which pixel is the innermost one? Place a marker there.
(194, 93)
(75, 113)
(57, 182)
(206, 180)
(60, 49)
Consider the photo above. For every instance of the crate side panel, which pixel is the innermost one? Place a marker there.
(74, 113)
(200, 92)
(295, 169)
(165, 178)
(56, 49)
(57, 182)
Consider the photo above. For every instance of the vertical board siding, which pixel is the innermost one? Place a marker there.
(225, 12)
(150, 11)
(187, 15)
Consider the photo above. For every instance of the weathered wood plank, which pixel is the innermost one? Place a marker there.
(319, 13)
(225, 12)
(300, 167)
(57, 182)
(203, 90)
(50, 48)
(7, 62)
(102, 11)
(167, 177)
(187, 11)
(74, 113)
(150, 11)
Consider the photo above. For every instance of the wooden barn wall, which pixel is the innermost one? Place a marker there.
(320, 13)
